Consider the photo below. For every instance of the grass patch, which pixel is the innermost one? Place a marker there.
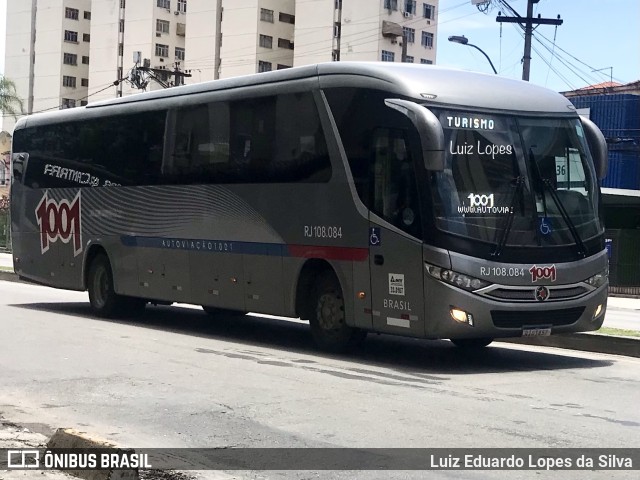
(619, 331)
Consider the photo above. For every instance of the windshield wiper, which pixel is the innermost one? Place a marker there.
(504, 234)
(565, 216)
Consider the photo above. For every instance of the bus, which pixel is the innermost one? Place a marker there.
(363, 197)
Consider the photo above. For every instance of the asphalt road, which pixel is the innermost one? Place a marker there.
(177, 378)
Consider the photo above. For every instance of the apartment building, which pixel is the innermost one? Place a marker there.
(129, 31)
(235, 37)
(365, 30)
(227, 38)
(47, 53)
(65, 53)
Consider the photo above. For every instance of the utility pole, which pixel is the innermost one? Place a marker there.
(527, 24)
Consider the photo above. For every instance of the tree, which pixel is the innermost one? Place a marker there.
(10, 102)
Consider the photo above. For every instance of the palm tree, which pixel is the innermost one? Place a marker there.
(10, 103)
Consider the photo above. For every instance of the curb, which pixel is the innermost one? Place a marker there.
(67, 438)
(9, 276)
(586, 342)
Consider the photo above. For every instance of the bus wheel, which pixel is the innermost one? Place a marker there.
(104, 301)
(471, 342)
(327, 317)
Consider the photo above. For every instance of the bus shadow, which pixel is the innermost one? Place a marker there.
(403, 354)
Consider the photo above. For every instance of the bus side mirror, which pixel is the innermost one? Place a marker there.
(18, 164)
(429, 129)
(598, 146)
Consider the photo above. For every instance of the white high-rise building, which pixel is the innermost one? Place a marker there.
(65, 53)
(47, 53)
(126, 31)
(234, 37)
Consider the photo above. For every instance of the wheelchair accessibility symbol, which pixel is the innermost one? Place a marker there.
(374, 236)
(545, 226)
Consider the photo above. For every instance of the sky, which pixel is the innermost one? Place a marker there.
(596, 34)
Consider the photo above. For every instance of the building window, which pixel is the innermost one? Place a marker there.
(86, 37)
(179, 53)
(409, 34)
(182, 6)
(121, 26)
(264, 66)
(121, 49)
(70, 36)
(408, 59)
(286, 18)
(162, 50)
(424, 61)
(284, 43)
(427, 39)
(391, 4)
(68, 81)
(83, 103)
(85, 60)
(123, 3)
(283, 67)
(164, 4)
(428, 11)
(162, 26)
(337, 4)
(72, 13)
(266, 41)
(70, 59)
(410, 6)
(336, 30)
(84, 82)
(266, 15)
(87, 15)
(67, 103)
(388, 56)
(335, 56)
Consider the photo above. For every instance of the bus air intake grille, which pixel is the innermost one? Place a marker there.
(518, 319)
(528, 294)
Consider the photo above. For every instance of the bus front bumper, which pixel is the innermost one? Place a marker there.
(454, 313)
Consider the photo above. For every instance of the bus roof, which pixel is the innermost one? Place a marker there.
(429, 84)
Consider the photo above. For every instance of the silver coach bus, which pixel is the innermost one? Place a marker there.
(363, 197)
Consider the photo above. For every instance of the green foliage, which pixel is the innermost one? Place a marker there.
(10, 102)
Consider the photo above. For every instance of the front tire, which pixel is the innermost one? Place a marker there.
(326, 315)
(105, 302)
(471, 343)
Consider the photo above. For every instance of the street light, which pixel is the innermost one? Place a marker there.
(462, 40)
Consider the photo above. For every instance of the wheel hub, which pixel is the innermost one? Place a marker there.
(330, 312)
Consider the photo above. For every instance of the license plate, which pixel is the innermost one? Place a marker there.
(536, 332)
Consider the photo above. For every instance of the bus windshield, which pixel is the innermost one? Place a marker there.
(528, 178)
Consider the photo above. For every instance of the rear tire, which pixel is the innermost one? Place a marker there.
(105, 302)
(471, 343)
(326, 314)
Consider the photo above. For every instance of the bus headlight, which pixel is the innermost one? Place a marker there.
(598, 279)
(456, 279)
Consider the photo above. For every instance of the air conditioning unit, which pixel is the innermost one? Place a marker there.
(176, 13)
(158, 34)
(407, 14)
(428, 22)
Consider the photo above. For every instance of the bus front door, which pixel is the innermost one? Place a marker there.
(395, 248)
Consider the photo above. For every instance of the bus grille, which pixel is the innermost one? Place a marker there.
(528, 294)
(519, 319)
